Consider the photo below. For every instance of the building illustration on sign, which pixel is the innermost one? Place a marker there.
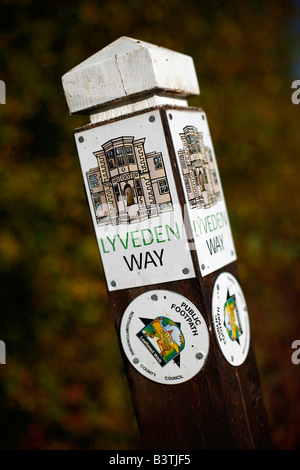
(128, 185)
(198, 169)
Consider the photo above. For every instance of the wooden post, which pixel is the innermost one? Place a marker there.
(165, 241)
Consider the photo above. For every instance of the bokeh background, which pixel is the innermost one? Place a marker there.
(63, 385)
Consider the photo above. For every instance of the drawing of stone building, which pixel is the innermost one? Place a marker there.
(128, 185)
(198, 169)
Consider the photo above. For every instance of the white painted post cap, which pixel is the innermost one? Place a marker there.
(128, 69)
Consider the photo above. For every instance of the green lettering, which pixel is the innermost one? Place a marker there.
(204, 226)
(124, 245)
(151, 235)
(214, 223)
(102, 243)
(176, 234)
(157, 234)
(134, 239)
(209, 223)
(112, 242)
(223, 218)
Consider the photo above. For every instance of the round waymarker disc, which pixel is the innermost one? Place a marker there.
(230, 319)
(164, 336)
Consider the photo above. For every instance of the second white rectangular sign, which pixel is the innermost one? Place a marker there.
(204, 199)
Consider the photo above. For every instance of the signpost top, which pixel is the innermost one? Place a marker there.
(127, 70)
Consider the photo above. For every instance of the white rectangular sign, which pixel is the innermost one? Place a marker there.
(133, 202)
(205, 204)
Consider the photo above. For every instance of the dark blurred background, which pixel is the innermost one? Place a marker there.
(63, 385)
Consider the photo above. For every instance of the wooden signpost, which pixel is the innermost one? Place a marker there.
(164, 237)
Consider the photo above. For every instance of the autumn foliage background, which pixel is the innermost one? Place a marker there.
(63, 385)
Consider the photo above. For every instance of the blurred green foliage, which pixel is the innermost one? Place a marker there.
(63, 385)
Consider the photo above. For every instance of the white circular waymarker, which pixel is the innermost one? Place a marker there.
(164, 337)
(230, 319)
